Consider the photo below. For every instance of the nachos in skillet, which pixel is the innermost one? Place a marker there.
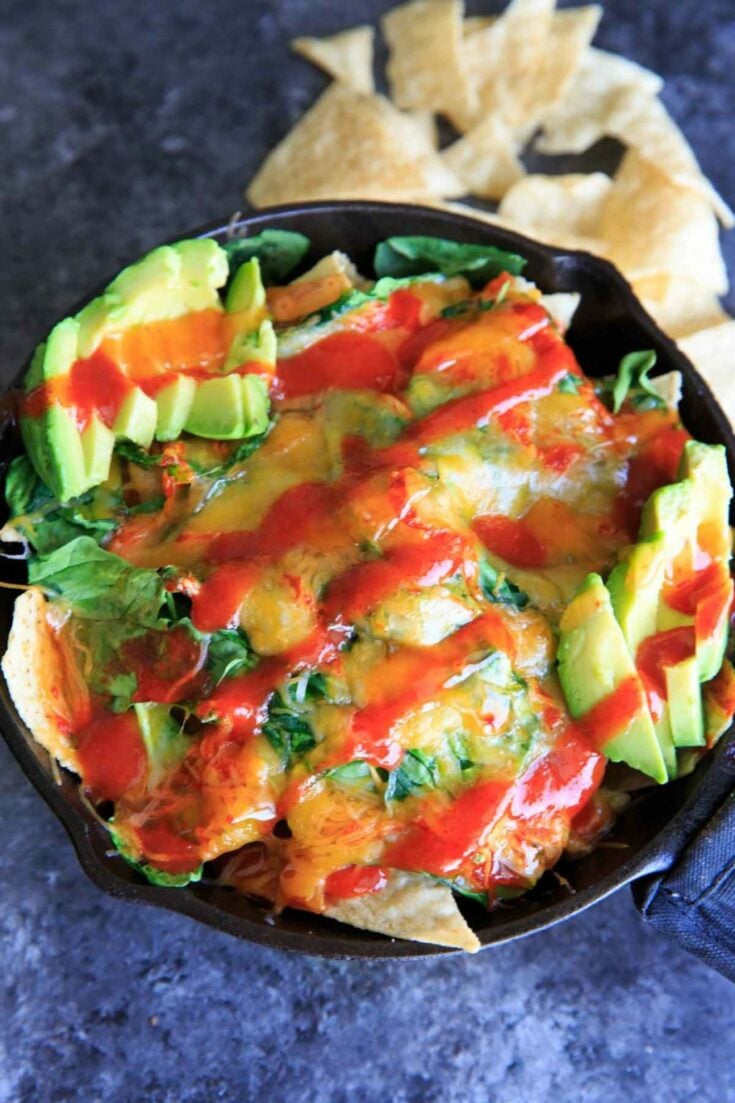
(345, 592)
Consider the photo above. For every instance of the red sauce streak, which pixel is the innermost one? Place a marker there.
(111, 754)
(440, 845)
(477, 410)
(424, 563)
(656, 465)
(242, 702)
(512, 540)
(92, 386)
(353, 881)
(612, 715)
(562, 781)
(685, 596)
(166, 850)
(304, 514)
(348, 361)
(167, 664)
(654, 655)
(218, 601)
(423, 673)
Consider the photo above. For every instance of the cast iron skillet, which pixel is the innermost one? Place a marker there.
(608, 323)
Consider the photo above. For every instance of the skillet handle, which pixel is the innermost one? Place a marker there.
(692, 902)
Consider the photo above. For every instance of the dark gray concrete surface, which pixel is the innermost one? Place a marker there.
(124, 123)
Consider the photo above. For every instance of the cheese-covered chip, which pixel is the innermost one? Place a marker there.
(347, 56)
(426, 71)
(352, 146)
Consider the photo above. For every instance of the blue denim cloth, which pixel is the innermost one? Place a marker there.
(693, 900)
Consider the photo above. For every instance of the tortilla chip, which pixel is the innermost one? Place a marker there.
(425, 121)
(712, 351)
(347, 56)
(562, 306)
(558, 206)
(569, 37)
(679, 306)
(561, 239)
(485, 159)
(410, 906)
(503, 59)
(425, 67)
(652, 226)
(643, 123)
(352, 146)
(668, 387)
(581, 117)
(36, 675)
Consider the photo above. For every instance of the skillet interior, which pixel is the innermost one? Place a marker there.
(608, 323)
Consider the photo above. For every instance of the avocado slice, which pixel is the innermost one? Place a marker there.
(169, 282)
(594, 661)
(254, 339)
(163, 739)
(174, 404)
(685, 710)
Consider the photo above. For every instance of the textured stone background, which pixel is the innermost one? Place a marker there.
(122, 124)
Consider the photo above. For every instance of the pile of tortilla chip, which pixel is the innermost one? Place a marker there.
(526, 79)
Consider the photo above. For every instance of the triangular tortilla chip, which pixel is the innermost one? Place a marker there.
(559, 238)
(558, 206)
(652, 226)
(570, 35)
(38, 678)
(352, 146)
(425, 68)
(410, 906)
(643, 123)
(426, 123)
(679, 306)
(347, 56)
(502, 61)
(485, 159)
(581, 118)
(712, 351)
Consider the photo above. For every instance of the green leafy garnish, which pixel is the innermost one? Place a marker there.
(350, 772)
(229, 653)
(155, 876)
(135, 454)
(633, 374)
(458, 746)
(45, 522)
(414, 256)
(463, 890)
(499, 589)
(163, 738)
(288, 733)
(570, 383)
(98, 584)
(416, 771)
(278, 251)
(122, 687)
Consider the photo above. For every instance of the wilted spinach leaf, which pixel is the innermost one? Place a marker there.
(414, 256)
(416, 771)
(499, 589)
(278, 251)
(229, 653)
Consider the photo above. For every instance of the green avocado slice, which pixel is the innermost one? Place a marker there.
(594, 661)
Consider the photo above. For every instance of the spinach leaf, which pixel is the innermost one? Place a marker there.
(414, 256)
(121, 687)
(155, 876)
(570, 383)
(458, 747)
(135, 454)
(499, 589)
(98, 584)
(229, 653)
(287, 731)
(350, 772)
(463, 890)
(633, 373)
(278, 251)
(45, 522)
(416, 771)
